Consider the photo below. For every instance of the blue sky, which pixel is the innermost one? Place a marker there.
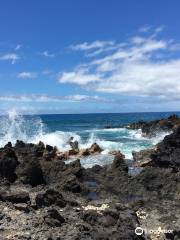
(89, 56)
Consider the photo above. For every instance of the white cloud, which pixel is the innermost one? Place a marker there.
(142, 66)
(12, 57)
(89, 46)
(144, 29)
(47, 98)
(18, 47)
(80, 76)
(47, 54)
(26, 75)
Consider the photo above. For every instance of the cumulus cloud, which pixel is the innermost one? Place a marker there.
(12, 57)
(144, 65)
(26, 75)
(47, 98)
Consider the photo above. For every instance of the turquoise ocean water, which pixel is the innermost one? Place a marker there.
(85, 128)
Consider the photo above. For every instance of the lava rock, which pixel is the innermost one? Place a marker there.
(168, 151)
(29, 172)
(50, 197)
(53, 218)
(8, 164)
(14, 197)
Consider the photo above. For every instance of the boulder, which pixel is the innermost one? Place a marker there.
(95, 148)
(29, 172)
(53, 218)
(143, 157)
(167, 153)
(8, 164)
(14, 197)
(119, 163)
(71, 184)
(50, 197)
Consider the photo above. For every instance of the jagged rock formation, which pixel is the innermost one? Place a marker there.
(151, 128)
(43, 198)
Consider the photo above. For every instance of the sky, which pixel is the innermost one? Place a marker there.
(91, 56)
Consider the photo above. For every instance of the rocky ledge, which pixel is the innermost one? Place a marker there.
(150, 129)
(43, 198)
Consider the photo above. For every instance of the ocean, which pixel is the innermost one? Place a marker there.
(56, 129)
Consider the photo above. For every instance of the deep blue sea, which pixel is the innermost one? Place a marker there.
(56, 130)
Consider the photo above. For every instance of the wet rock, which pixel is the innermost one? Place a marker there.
(74, 144)
(84, 152)
(8, 164)
(95, 148)
(50, 197)
(152, 128)
(142, 158)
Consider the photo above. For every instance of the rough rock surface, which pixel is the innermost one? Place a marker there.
(168, 151)
(43, 198)
(150, 129)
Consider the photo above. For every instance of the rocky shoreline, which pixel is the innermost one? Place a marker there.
(44, 198)
(152, 128)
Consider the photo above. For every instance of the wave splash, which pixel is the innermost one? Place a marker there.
(15, 126)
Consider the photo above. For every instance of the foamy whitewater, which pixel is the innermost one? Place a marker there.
(56, 130)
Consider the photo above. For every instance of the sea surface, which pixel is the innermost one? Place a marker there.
(56, 129)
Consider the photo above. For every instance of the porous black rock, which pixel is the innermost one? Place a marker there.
(8, 163)
(50, 197)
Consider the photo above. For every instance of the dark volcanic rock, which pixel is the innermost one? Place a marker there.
(71, 184)
(53, 218)
(14, 197)
(168, 151)
(8, 163)
(111, 224)
(50, 197)
(143, 158)
(151, 128)
(95, 148)
(29, 172)
(119, 163)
